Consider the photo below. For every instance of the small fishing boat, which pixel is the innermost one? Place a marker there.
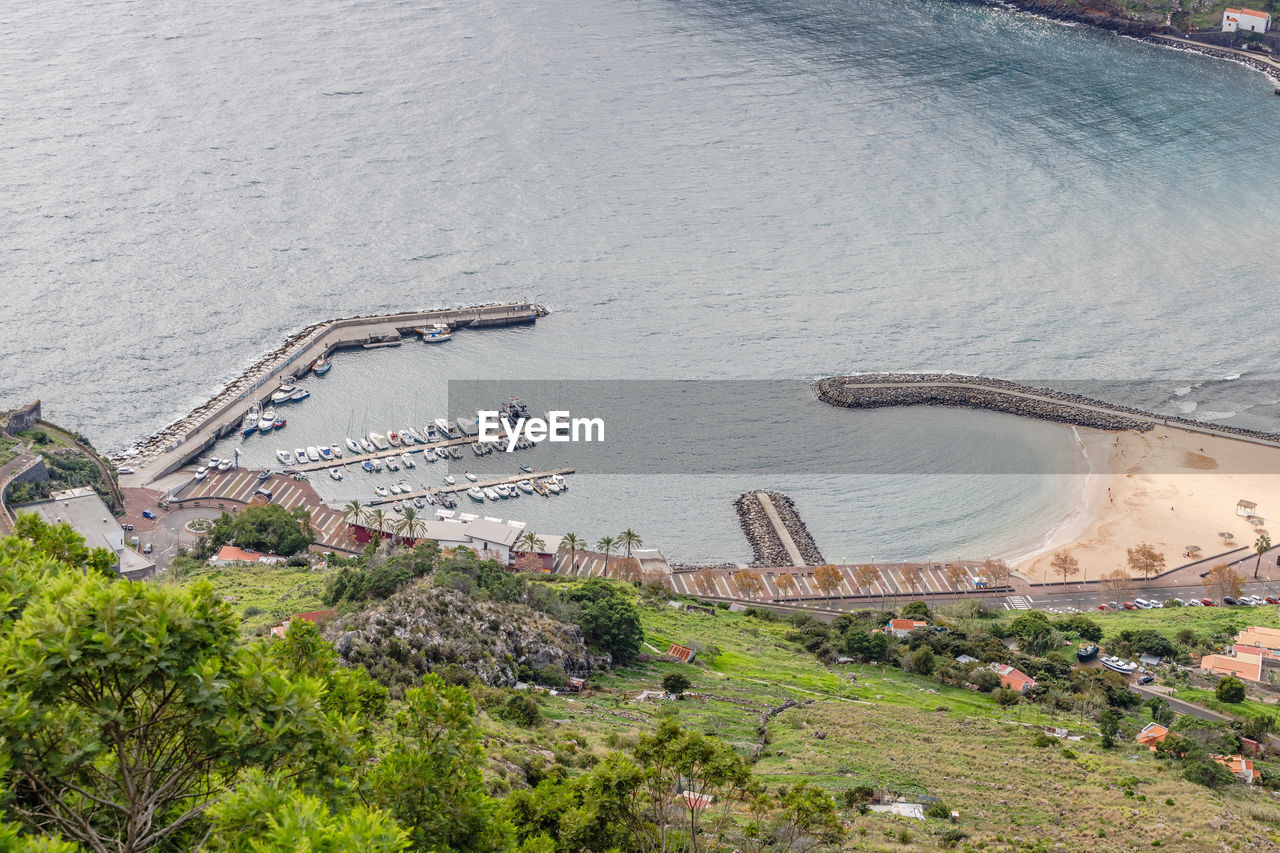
(455, 453)
(279, 424)
(267, 420)
(213, 462)
(336, 451)
(224, 465)
(284, 456)
(475, 494)
(335, 473)
(379, 441)
(528, 469)
(435, 333)
(283, 393)
(492, 495)
(1120, 665)
(525, 486)
(448, 502)
(313, 454)
(417, 436)
(352, 445)
(405, 488)
(503, 490)
(407, 459)
(382, 492)
(300, 454)
(472, 477)
(393, 465)
(1086, 654)
(377, 464)
(431, 499)
(326, 454)
(264, 475)
(299, 394)
(539, 487)
(418, 503)
(449, 480)
(552, 486)
(397, 507)
(477, 448)
(367, 465)
(429, 455)
(406, 437)
(366, 445)
(202, 472)
(394, 438)
(250, 423)
(395, 488)
(322, 365)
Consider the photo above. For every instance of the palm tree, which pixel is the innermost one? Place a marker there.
(530, 542)
(606, 544)
(629, 539)
(377, 520)
(1261, 546)
(410, 526)
(353, 512)
(573, 543)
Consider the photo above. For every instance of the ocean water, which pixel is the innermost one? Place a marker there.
(697, 190)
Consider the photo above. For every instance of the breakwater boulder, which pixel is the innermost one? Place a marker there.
(766, 545)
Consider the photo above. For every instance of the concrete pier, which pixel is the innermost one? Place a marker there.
(191, 435)
(774, 530)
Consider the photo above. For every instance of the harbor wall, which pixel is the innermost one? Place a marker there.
(192, 434)
(767, 548)
(22, 419)
(878, 390)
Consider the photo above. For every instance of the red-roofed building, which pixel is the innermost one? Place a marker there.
(1153, 734)
(1240, 767)
(318, 618)
(1013, 679)
(1243, 665)
(684, 653)
(903, 627)
(1246, 20)
(228, 554)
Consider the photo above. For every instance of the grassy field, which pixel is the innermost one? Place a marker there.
(265, 595)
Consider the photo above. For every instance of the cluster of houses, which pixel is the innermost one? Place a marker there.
(1240, 767)
(1254, 651)
(1010, 677)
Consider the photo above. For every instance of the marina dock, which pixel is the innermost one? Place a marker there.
(193, 434)
(467, 484)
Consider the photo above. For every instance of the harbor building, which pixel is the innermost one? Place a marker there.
(87, 515)
(1245, 20)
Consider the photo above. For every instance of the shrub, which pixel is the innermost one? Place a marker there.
(1042, 740)
(1207, 772)
(1230, 689)
(986, 680)
(521, 709)
(939, 810)
(675, 683)
(1006, 697)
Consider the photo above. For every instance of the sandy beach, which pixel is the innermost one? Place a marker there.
(1167, 488)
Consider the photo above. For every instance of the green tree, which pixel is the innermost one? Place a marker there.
(130, 709)
(1207, 772)
(608, 618)
(1230, 689)
(676, 683)
(629, 539)
(429, 775)
(572, 544)
(1160, 711)
(271, 528)
(530, 543)
(916, 610)
(410, 526)
(376, 520)
(1109, 724)
(1262, 545)
(606, 544)
(60, 542)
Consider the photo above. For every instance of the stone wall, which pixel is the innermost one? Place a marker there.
(23, 419)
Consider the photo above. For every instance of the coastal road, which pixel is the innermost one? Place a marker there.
(1097, 407)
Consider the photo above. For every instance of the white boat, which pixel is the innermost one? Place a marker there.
(299, 394)
(379, 441)
(417, 436)
(448, 478)
(313, 454)
(395, 488)
(434, 333)
(213, 461)
(392, 464)
(475, 494)
(407, 459)
(377, 464)
(267, 420)
(352, 445)
(335, 473)
(394, 438)
(1119, 665)
(470, 476)
(283, 393)
(325, 453)
(418, 503)
(224, 465)
(525, 486)
(492, 495)
(284, 456)
(552, 486)
(432, 434)
(406, 436)
(300, 454)
(396, 507)
(429, 455)
(382, 492)
(502, 490)
(405, 488)
(202, 472)
(322, 365)
(560, 481)
(366, 445)
(250, 423)
(336, 451)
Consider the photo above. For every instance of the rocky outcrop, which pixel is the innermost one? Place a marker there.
(423, 629)
(766, 548)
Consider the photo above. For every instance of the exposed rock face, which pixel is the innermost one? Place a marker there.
(766, 548)
(424, 628)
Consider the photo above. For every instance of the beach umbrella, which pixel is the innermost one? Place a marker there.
(1191, 549)
(1227, 534)
(1256, 521)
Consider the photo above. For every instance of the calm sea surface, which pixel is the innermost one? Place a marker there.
(697, 190)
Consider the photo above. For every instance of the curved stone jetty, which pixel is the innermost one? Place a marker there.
(775, 531)
(876, 390)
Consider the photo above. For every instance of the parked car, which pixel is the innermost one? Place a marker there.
(147, 548)
(1146, 679)
(1208, 602)
(1129, 605)
(125, 470)
(1226, 599)
(146, 513)
(1178, 601)
(1271, 599)
(126, 526)
(1105, 607)
(1194, 602)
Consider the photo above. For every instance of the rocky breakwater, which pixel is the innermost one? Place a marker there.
(767, 548)
(423, 629)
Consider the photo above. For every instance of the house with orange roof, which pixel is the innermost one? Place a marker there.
(903, 627)
(1013, 679)
(1260, 638)
(1240, 767)
(319, 618)
(1246, 666)
(1245, 20)
(682, 653)
(228, 554)
(1153, 734)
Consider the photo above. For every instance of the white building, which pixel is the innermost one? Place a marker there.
(1247, 20)
(87, 515)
